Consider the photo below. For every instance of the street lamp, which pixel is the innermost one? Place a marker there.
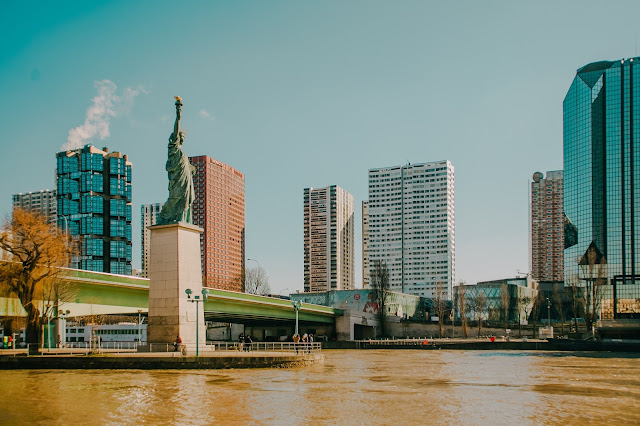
(139, 326)
(62, 324)
(297, 304)
(48, 326)
(280, 293)
(196, 299)
(549, 313)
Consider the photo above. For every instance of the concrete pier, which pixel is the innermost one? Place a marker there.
(160, 361)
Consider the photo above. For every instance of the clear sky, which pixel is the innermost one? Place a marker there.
(308, 93)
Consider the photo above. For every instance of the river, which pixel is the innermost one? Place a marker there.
(351, 387)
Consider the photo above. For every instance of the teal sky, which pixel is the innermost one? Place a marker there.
(311, 93)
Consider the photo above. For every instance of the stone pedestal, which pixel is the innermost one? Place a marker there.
(174, 266)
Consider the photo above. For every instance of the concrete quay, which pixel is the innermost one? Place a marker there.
(487, 345)
(160, 361)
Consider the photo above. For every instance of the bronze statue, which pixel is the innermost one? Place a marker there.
(180, 171)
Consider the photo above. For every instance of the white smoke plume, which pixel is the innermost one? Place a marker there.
(105, 105)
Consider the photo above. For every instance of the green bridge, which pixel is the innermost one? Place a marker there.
(95, 293)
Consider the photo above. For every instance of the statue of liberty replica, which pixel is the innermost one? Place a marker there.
(174, 256)
(180, 171)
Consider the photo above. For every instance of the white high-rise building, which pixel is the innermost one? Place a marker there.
(43, 202)
(412, 226)
(365, 244)
(328, 239)
(149, 216)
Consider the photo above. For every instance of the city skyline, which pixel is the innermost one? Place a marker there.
(379, 84)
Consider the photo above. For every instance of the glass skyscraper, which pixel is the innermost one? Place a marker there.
(94, 204)
(602, 178)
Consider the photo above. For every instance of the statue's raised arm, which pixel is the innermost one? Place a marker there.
(181, 190)
(176, 126)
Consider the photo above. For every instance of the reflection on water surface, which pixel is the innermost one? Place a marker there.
(352, 387)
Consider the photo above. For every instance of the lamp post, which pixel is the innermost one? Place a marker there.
(297, 304)
(62, 324)
(49, 327)
(549, 313)
(196, 299)
(139, 326)
(280, 293)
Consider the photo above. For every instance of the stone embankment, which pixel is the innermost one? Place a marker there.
(158, 362)
(487, 345)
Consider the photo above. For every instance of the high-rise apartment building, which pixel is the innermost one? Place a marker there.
(602, 179)
(328, 239)
(43, 202)
(94, 200)
(412, 226)
(219, 208)
(148, 216)
(365, 244)
(547, 227)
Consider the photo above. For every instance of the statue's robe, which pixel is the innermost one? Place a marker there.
(181, 190)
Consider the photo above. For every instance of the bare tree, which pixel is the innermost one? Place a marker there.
(440, 305)
(557, 297)
(536, 309)
(462, 308)
(478, 304)
(256, 281)
(504, 304)
(574, 294)
(593, 265)
(37, 250)
(381, 287)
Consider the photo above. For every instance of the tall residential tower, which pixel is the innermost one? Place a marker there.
(547, 227)
(219, 209)
(94, 199)
(412, 226)
(328, 239)
(365, 245)
(148, 216)
(43, 202)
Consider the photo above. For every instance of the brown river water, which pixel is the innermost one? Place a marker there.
(351, 387)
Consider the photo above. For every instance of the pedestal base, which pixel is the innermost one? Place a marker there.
(174, 266)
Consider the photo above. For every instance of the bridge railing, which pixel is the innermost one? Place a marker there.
(289, 347)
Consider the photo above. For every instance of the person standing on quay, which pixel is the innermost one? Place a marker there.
(296, 339)
(240, 342)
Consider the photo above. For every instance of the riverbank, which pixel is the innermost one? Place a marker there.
(487, 345)
(151, 361)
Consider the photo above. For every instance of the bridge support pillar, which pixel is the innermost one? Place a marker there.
(174, 266)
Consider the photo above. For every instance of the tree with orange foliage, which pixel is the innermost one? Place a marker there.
(36, 251)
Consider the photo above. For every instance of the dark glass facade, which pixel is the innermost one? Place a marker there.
(602, 178)
(94, 201)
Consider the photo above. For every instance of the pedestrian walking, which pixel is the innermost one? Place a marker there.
(247, 343)
(240, 342)
(177, 343)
